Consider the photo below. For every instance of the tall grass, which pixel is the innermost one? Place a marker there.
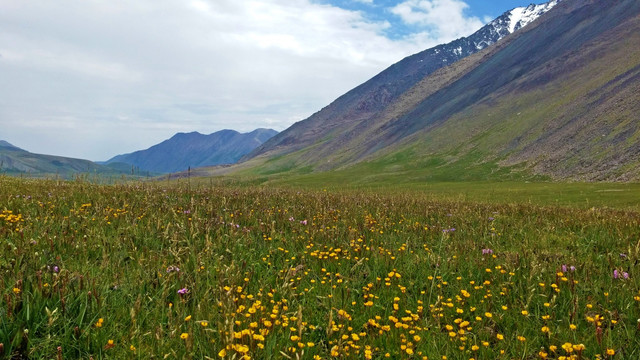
(174, 270)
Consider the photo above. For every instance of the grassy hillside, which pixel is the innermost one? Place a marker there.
(20, 162)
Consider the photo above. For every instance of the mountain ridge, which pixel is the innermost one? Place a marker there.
(193, 149)
(16, 161)
(452, 114)
(367, 99)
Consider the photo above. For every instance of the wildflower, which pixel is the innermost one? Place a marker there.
(204, 323)
(183, 291)
(187, 318)
(611, 352)
(16, 291)
(568, 347)
(222, 353)
(132, 348)
(545, 329)
(184, 336)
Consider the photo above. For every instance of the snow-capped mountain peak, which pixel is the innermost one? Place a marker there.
(506, 24)
(522, 16)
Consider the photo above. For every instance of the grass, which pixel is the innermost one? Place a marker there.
(180, 270)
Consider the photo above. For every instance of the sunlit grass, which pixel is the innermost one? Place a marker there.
(175, 270)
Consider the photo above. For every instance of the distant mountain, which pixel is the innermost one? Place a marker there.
(185, 150)
(6, 146)
(15, 161)
(364, 102)
(557, 98)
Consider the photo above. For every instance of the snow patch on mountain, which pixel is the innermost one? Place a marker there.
(522, 16)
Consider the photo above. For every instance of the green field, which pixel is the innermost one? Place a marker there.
(301, 268)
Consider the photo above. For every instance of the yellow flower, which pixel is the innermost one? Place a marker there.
(222, 353)
(545, 329)
(204, 323)
(110, 342)
(611, 352)
(132, 348)
(500, 337)
(16, 290)
(579, 347)
(184, 336)
(295, 338)
(187, 318)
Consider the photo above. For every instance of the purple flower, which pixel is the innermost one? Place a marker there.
(623, 256)
(564, 268)
(487, 251)
(56, 269)
(291, 218)
(491, 218)
(173, 268)
(625, 275)
(183, 291)
(303, 222)
(572, 268)
(616, 274)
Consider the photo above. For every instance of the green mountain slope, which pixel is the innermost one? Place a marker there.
(557, 99)
(15, 161)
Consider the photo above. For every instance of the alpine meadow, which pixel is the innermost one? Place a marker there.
(477, 200)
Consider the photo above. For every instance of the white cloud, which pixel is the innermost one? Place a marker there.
(93, 79)
(445, 20)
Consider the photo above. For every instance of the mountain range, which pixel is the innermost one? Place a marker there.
(546, 91)
(192, 150)
(180, 152)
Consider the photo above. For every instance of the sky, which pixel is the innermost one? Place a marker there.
(93, 79)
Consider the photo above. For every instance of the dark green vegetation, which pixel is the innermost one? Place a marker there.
(195, 150)
(555, 100)
(179, 270)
